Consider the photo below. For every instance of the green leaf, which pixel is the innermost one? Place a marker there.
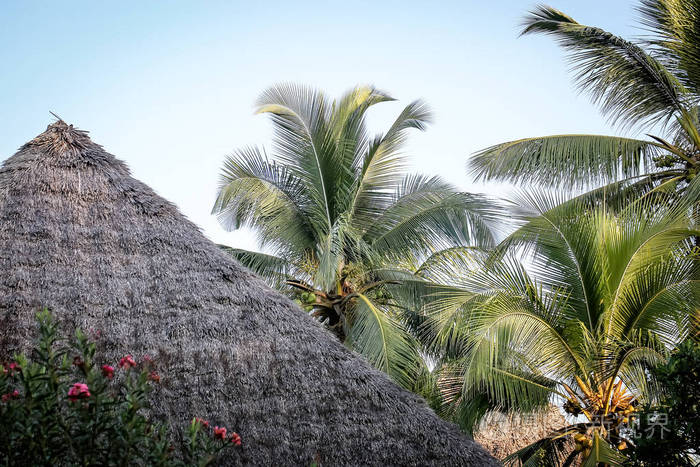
(602, 453)
(427, 215)
(565, 160)
(383, 340)
(676, 35)
(273, 269)
(266, 196)
(630, 85)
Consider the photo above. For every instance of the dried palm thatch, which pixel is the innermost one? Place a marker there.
(79, 235)
(503, 434)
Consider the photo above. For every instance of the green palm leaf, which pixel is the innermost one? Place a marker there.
(603, 453)
(381, 168)
(565, 160)
(266, 196)
(275, 270)
(379, 336)
(630, 85)
(303, 143)
(675, 26)
(547, 452)
(428, 214)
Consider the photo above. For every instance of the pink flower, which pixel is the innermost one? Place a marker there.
(153, 376)
(10, 395)
(147, 358)
(202, 422)
(78, 391)
(127, 361)
(108, 371)
(235, 439)
(13, 367)
(220, 432)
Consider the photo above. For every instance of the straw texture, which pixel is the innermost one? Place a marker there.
(503, 434)
(100, 249)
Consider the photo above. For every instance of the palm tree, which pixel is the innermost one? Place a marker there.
(332, 206)
(573, 308)
(653, 85)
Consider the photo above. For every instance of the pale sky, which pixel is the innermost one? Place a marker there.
(169, 87)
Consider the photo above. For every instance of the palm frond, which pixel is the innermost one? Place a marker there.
(559, 239)
(646, 253)
(453, 266)
(546, 452)
(631, 360)
(383, 340)
(505, 335)
(303, 142)
(379, 170)
(261, 194)
(631, 86)
(273, 269)
(528, 318)
(427, 215)
(351, 139)
(603, 453)
(674, 24)
(565, 160)
(662, 300)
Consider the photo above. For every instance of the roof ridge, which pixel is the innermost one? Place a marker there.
(61, 137)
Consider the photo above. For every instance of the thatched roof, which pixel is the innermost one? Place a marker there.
(503, 434)
(79, 235)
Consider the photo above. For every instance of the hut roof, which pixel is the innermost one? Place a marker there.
(82, 237)
(503, 434)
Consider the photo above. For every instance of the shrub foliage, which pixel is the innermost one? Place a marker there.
(669, 433)
(60, 407)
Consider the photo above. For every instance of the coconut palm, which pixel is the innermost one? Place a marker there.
(332, 205)
(573, 308)
(652, 85)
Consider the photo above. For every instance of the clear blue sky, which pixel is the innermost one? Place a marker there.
(169, 86)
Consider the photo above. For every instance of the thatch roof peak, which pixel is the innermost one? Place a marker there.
(61, 138)
(79, 235)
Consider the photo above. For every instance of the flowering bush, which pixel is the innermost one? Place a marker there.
(58, 411)
(127, 362)
(78, 391)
